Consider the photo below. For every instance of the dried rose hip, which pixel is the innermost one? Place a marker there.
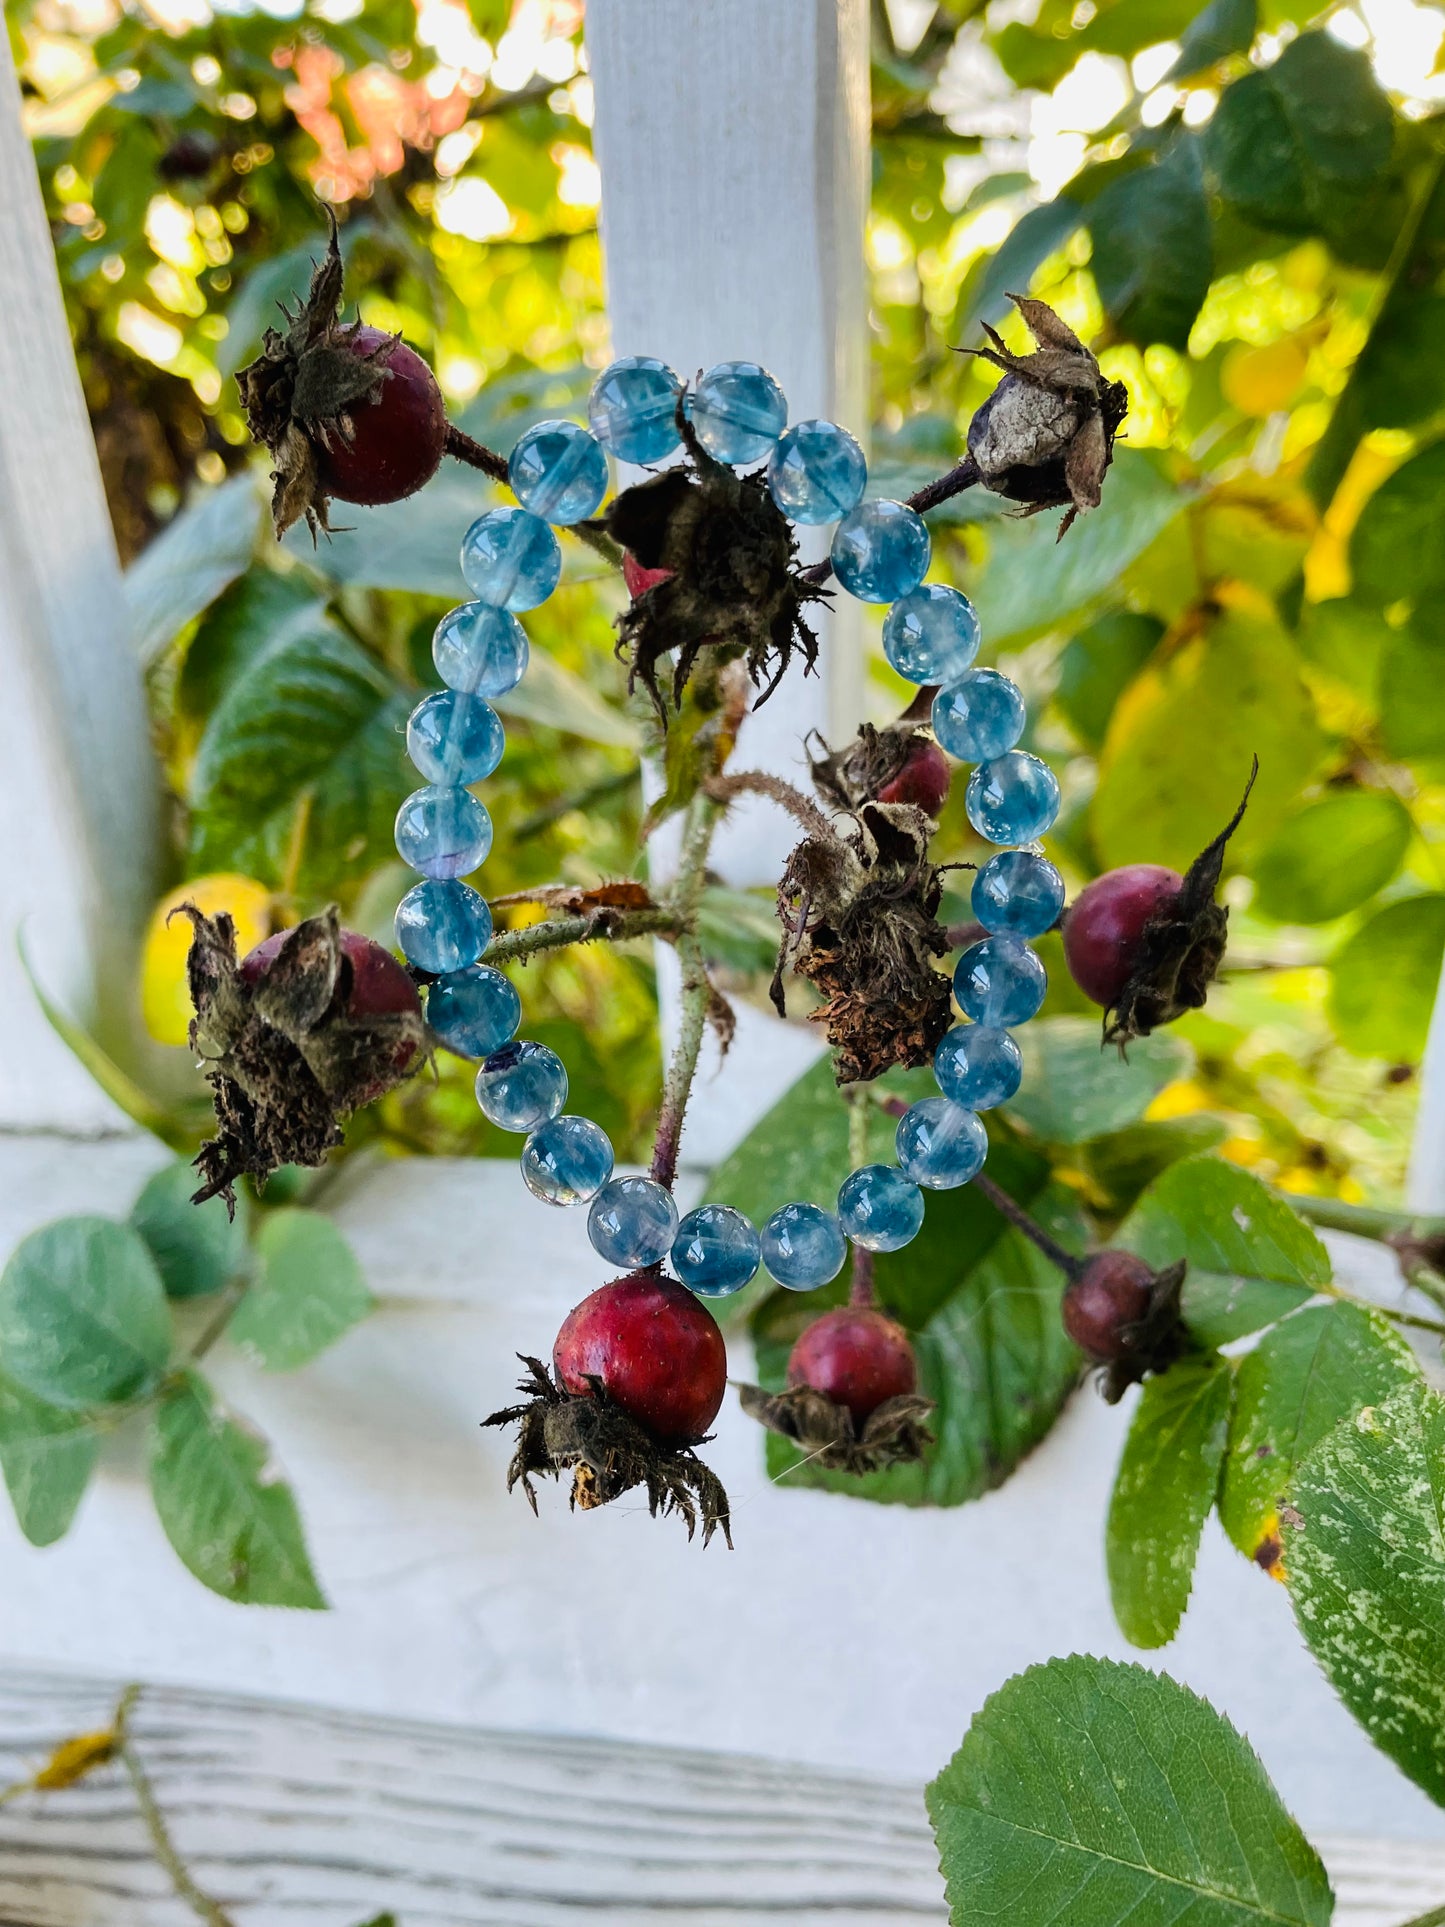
(923, 780)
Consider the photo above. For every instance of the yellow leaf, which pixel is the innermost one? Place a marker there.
(74, 1758)
(165, 1000)
(1262, 381)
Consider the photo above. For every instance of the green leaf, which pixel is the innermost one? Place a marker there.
(556, 697)
(1122, 1163)
(1383, 980)
(1313, 1369)
(1401, 375)
(258, 608)
(1347, 639)
(1398, 548)
(197, 1247)
(47, 1456)
(1251, 1259)
(1412, 717)
(1098, 665)
(308, 1290)
(1092, 1793)
(228, 1514)
(83, 1316)
(1222, 28)
(1152, 248)
(1040, 233)
(1165, 1487)
(738, 929)
(190, 562)
(1332, 856)
(1073, 1089)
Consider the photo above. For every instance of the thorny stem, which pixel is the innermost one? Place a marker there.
(513, 946)
(164, 1848)
(860, 1291)
(477, 455)
(756, 782)
(1021, 1221)
(702, 819)
(921, 501)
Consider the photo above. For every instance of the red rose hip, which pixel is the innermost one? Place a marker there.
(380, 987)
(857, 1357)
(923, 780)
(1104, 924)
(638, 577)
(1111, 1293)
(397, 439)
(656, 1351)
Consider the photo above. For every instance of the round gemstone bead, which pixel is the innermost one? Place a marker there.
(1013, 799)
(633, 409)
(479, 650)
(443, 831)
(803, 1246)
(443, 926)
(979, 717)
(880, 1208)
(558, 471)
(880, 551)
(738, 411)
(940, 1144)
(716, 1250)
(511, 559)
(521, 1085)
(1018, 894)
(978, 1066)
(817, 472)
(932, 635)
(474, 1011)
(454, 738)
(999, 982)
(633, 1221)
(566, 1160)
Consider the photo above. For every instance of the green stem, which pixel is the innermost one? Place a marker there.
(1435, 1918)
(1365, 1220)
(231, 1295)
(702, 820)
(512, 946)
(162, 1845)
(1008, 1208)
(463, 448)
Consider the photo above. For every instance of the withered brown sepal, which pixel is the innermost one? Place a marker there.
(854, 775)
(1151, 1343)
(895, 1434)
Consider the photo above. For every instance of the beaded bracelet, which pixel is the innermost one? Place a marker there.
(512, 561)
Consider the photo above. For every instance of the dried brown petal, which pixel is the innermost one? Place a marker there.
(895, 1434)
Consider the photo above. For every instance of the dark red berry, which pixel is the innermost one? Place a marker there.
(923, 780)
(856, 1356)
(1105, 923)
(656, 1350)
(379, 984)
(638, 577)
(1111, 1294)
(397, 441)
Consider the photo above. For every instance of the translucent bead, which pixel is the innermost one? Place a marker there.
(443, 831)
(931, 635)
(633, 409)
(880, 1208)
(558, 471)
(633, 1221)
(941, 1144)
(1013, 799)
(479, 650)
(520, 1086)
(999, 982)
(567, 1160)
(443, 926)
(716, 1250)
(1018, 894)
(880, 551)
(817, 472)
(454, 738)
(803, 1247)
(511, 559)
(738, 411)
(474, 1011)
(978, 1066)
(979, 717)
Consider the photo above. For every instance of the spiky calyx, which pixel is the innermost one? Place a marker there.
(898, 764)
(894, 1433)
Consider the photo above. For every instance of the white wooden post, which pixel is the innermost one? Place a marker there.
(1425, 1189)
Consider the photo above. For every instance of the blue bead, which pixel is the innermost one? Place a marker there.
(1018, 894)
(817, 472)
(567, 1160)
(880, 1208)
(803, 1246)
(474, 1011)
(999, 982)
(941, 1144)
(558, 471)
(633, 1221)
(443, 926)
(978, 1066)
(716, 1250)
(931, 635)
(443, 831)
(633, 409)
(1013, 799)
(880, 551)
(479, 650)
(454, 738)
(511, 559)
(738, 411)
(521, 1085)
(979, 717)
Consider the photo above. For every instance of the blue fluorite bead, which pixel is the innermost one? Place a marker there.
(443, 926)
(633, 1221)
(511, 559)
(454, 738)
(932, 635)
(1013, 799)
(443, 831)
(880, 1208)
(999, 982)
(940, 1144)
(978, 1066)
(479, 650)
(716, 1250)
(521, 1085)
(558, 471)
(1018, 894)
(474, 1011)
(738, 411)
(803, 1246)
(566, 1160)
(979, 717)
(880, 551)
(633, 409)
(817, 472)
